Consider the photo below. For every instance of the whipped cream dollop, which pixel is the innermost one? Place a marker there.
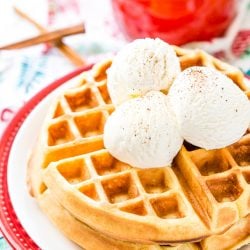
(212, 112)
(143, 132)
(142, 66)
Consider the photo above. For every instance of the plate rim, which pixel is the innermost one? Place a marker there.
(10, 225)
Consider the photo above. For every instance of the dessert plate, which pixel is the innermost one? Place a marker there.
(21, 221)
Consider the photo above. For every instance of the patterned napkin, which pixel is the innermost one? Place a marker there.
(3, 244)
(24, 72)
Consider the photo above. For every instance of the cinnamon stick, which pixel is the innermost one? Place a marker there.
(64, 49)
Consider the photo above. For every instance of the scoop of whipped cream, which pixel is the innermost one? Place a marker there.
(142, 66)
(143, 132)
(212, 112)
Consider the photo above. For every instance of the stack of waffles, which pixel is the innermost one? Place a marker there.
(201, 202)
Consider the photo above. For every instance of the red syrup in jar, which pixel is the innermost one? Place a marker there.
(175, 21)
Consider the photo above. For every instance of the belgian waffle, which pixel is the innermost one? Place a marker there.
(184, 203)
(90, 239)
(86, 237)
(96, 188)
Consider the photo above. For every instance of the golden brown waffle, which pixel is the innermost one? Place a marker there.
(123, 202)
(96, 188)
(73, 126)
(90, 239)
(86, 237)
(182, 203)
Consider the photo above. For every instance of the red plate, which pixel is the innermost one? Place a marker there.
(9, 223)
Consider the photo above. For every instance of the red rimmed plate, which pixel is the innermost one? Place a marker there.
(21, 222)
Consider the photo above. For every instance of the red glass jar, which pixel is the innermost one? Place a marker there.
(175, 21)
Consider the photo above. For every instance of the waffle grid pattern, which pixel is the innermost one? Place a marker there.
(80, 113)
(224, 182)
(222, 165)
(75, 123)
(104, 179)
